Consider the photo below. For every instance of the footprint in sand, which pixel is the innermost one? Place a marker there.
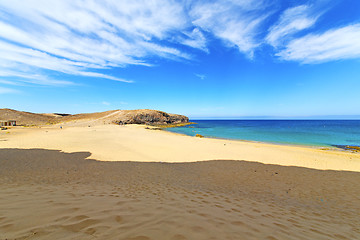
(178, 237)
(118, 219)
(139, 238)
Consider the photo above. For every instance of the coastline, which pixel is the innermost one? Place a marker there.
(329, 148)
(334, 134)
(135, 143)
(320, 147)
(128, 182)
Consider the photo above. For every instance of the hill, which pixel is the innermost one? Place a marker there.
(26, 118)
(140, 116)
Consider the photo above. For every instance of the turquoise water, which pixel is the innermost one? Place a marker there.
(301, 132)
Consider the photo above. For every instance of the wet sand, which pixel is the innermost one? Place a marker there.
(48, 194)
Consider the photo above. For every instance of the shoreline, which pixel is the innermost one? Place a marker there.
(155, 185)
(135, 143)
(164, 129)
(288, 142)
(323, 148)
(270, 143)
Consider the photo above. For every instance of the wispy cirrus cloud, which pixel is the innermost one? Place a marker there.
(201, 76)
(235, 22)
(4, 90)
(291, 21)
(335, 44)
(194, 39)
(40, 40)
(31, 78)
(82, 37)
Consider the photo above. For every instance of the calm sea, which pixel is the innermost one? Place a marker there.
(301, 132)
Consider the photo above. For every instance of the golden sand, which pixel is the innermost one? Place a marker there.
(49, 194)
(135, 143)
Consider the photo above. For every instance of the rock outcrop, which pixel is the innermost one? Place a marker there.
(151, 117)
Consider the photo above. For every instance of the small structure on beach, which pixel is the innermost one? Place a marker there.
(4, 123)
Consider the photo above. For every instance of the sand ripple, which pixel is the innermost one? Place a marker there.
(52, 195)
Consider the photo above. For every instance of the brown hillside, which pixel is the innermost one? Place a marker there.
(26, 118)
(141, 116)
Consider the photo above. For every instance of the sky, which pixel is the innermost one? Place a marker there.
(203, 59)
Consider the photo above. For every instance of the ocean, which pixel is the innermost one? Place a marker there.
(299, 132)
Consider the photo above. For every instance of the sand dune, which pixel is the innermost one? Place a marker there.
(47, 194)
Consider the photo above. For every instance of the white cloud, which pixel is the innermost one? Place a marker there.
(334, 44)
(235, 22)
(105, 103)
(201, 76)
(4, 90)
(290, 22)
(34, 78)
(90, 37)
(194, 39)
(84, 36)
(80, 37)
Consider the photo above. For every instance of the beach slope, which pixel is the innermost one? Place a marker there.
(48, 194)
(136, 143)
(129, 182)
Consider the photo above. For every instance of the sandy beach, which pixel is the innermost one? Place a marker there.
(135, 143)
(128, 182)
(179, 120)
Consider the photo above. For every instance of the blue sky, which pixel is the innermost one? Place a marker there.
(204, 59)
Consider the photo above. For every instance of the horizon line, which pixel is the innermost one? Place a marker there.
(321, 117)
